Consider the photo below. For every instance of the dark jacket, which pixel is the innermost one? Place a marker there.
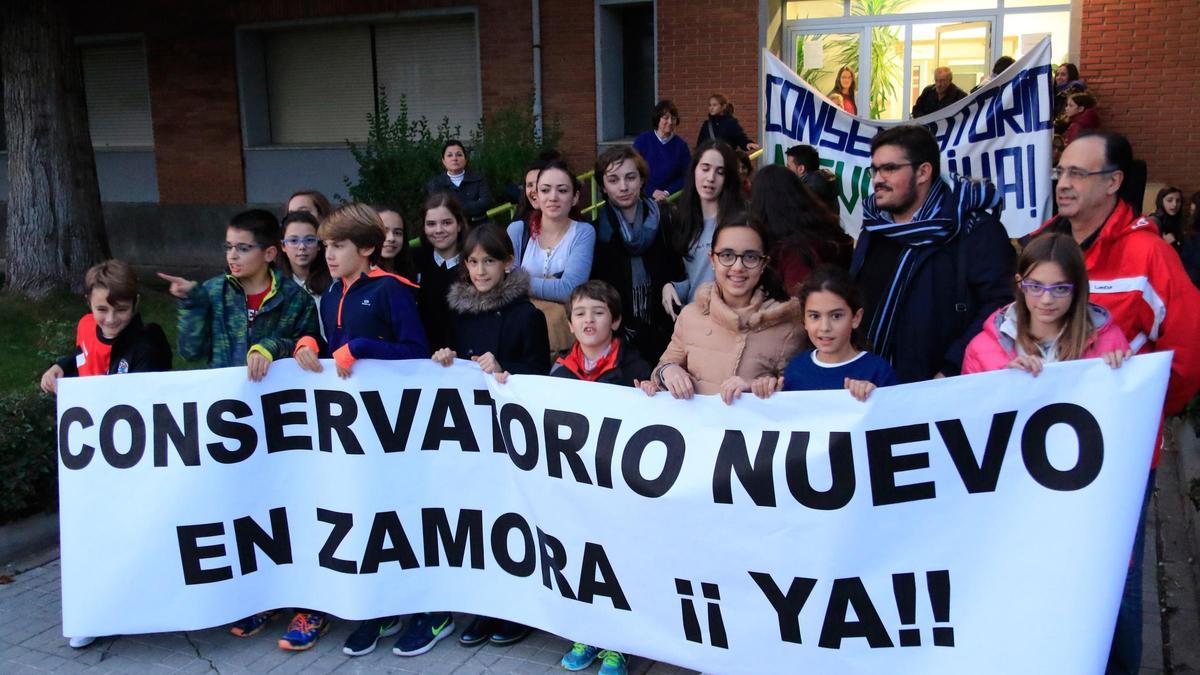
(502, 321)
(928, 101)
(215, 328)
(824, 184)
(375, 318)
(434, 281)
(613, 263)
(630, 366)
(140, 348)
(473, 194)
(723, 128)
(943, 307)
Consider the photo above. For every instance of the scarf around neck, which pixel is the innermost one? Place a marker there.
(636, 236)
(950, 209)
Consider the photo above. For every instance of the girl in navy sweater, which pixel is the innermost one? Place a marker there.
(838, 360)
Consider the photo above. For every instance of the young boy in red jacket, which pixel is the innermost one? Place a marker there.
(594, 310)
(111, 340)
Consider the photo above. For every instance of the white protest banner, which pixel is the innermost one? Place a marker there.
(962, 525)
(1002, 132)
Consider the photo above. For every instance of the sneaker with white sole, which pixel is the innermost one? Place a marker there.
(364, 638)
(423, 632)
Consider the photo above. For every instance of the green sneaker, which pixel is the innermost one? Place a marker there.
(580, 657)
(613, 663)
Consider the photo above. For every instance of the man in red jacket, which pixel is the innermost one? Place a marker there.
(1134, 274)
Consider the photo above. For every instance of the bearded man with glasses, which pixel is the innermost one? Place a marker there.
(1140, 280)
(933, 260)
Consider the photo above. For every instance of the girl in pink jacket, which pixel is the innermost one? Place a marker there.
(1051, 319)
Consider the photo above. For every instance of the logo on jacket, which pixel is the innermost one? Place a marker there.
(123, 367)
(366, 302)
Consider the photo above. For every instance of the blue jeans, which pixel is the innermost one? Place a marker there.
(1125, 655)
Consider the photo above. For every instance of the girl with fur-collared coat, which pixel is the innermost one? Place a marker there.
(492, 320)
(737, 329)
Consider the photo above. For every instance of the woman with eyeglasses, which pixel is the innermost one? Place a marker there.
(739, 328)
(1051, 319)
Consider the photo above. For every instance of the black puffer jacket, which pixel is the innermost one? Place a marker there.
(502, 321)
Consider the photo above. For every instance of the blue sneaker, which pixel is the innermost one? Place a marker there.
(362, 641)
(303, 632)
(613, 663)
(252, 624)
(580, 656)
(423, 632)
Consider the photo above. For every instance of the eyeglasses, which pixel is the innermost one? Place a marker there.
(750, 259)
(242, 249)
(298, 242)
(1036, 290)
(1076, 173)
(885, 170)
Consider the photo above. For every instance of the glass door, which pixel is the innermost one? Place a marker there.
(832, 61)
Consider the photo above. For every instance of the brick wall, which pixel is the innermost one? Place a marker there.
(1139, 59)
(569, 77)
(707, 46)
(194, 109)
(192, 66)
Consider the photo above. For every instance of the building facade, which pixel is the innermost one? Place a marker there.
(201, 108)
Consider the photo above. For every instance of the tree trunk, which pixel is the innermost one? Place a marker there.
(55, 225)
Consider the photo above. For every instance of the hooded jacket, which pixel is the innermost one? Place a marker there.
(502, 321)
(713, 341)
(375, 317)
(214, 326)
(1139, 279)
(996, 345)
(1088, 119)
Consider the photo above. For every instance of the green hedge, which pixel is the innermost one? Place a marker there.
(28, 458)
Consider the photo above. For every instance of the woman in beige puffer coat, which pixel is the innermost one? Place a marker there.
(735, 329)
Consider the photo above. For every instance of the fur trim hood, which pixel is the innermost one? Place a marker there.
(761, 314)
(463, 298)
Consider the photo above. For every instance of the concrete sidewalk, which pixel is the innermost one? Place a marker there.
(31, 642)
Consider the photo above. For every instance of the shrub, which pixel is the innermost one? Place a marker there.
(399, 157)
(28, 456)
(505, 143)
(401, 154)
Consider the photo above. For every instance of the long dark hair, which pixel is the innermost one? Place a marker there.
(689, 215)
(769, 281)
(402, 264)
(793, 215)
(319, 278)
(837, 82)
(1194, 204)
(492, 239)
(1167, 223)
(833, 279)
(1077, 329)
(524, 208)
(451, 204)
(319, 200)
